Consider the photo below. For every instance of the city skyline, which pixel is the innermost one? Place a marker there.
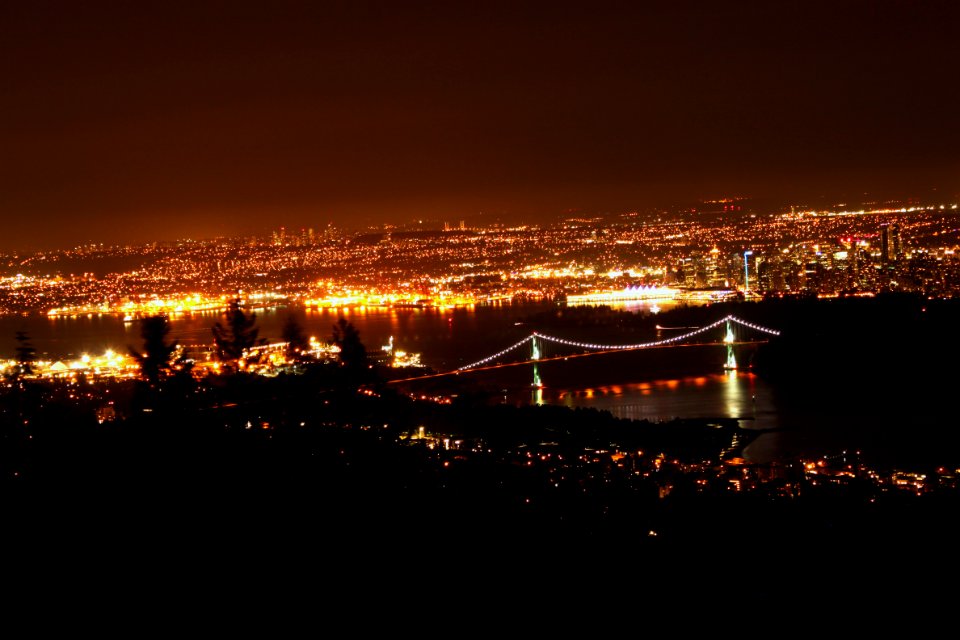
(128, 125)
(411, 297)
(719, 252)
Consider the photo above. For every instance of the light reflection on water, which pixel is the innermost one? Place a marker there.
(724, 395)
(732, 394)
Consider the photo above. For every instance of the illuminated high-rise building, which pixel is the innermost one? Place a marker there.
(890, 243)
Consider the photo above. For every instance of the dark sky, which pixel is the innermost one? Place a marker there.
(137, 121)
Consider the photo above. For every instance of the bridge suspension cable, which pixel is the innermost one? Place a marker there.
(750, 325)
(641, 345)
(496, 355)
(657, 343)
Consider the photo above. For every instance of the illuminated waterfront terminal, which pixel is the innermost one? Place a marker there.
(638, 293)
(627, 294)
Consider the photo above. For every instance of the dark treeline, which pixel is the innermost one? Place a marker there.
(185, 431)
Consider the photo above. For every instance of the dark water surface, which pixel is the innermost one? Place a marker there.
(687, 383)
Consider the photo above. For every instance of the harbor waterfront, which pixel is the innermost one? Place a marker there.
(638, 386)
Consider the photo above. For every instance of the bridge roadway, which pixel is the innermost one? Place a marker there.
(519, 363)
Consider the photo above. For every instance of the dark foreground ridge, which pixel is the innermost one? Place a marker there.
(290, 461)
(339, 472)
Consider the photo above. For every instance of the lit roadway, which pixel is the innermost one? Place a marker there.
(575, 355)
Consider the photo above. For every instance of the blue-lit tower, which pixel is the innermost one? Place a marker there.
(729, 339)
(535, 355)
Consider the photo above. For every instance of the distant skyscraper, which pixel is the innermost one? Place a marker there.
(889, 242)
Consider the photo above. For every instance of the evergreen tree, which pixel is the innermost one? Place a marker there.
(26, 355)
(295, 338)
(157, 352)
(353, 355)
(234, 337)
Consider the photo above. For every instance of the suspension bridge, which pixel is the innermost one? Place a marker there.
(536, 342)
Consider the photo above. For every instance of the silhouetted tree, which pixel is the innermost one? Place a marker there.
(26, 355)
(295, 338)
(353, 355)
(235, 336)
(157, 355)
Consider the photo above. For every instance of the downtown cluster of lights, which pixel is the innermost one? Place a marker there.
(596, 260)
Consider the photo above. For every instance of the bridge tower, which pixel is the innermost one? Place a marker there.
(729, 339)
(535, 355)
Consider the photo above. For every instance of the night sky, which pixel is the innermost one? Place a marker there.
(133, 122)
